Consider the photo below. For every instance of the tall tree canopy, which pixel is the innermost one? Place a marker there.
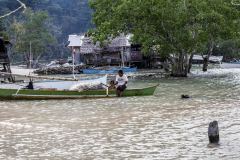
(71, 16)
(2, 30)
(66, 16)
(176, 28)
(31, 32)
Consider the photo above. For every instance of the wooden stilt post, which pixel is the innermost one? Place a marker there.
(5, 61)
(213, 132)
(73, 62)
(122, 57)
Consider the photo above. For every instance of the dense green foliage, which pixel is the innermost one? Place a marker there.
(3, 30)
(64, 17)
(229, 49)
(70, 16)
(174, 28)
(32, 31)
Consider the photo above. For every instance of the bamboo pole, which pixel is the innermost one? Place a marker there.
(40, 77)
(73, 62)
(30, 56)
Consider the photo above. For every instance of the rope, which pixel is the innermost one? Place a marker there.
(10, 13)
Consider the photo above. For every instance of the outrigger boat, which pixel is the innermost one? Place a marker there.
(43, 92)
(110, 70)
(25, 94)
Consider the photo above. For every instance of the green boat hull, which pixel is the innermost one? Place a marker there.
(13, 94)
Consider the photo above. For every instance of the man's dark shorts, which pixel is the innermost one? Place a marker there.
(121, 88)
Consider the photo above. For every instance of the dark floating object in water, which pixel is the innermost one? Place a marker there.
(213, 132)
(185, 96)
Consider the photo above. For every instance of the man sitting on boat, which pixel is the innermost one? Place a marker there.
(30, 85)
(121, 83)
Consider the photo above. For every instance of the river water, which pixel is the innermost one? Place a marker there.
(156, 127)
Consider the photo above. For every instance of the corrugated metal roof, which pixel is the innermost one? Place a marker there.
(75, 40)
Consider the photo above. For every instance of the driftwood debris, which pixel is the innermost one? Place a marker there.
(184, 96)
(213, 132)
(58, 70)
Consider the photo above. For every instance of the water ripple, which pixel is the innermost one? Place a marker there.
(156, 127)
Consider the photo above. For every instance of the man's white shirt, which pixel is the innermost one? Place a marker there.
(121, 80)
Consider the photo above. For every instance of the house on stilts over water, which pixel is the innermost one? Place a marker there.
(118, 51)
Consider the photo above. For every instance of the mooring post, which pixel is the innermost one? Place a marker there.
(213, 132)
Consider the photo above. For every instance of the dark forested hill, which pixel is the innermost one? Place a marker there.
(65, 17)
(69, 16)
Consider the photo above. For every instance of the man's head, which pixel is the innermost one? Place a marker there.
(120, 73)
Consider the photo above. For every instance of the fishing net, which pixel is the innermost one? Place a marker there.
(96, 84)
(87, 86)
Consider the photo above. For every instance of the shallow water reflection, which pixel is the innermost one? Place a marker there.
(157, 127)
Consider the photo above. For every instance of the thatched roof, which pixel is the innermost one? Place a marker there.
(88, 46)
(120, 41)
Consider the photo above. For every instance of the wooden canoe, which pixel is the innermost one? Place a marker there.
(13, 94)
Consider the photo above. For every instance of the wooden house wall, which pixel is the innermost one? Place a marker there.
(136, 55)
(77, 58)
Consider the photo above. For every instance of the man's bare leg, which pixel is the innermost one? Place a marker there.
(118, 93)
(121, 94)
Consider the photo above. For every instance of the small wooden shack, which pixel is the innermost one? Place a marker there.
(198, 59)
(90, 52)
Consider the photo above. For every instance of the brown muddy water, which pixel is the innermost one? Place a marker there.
(156, 127)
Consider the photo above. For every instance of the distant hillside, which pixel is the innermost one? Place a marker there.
(66, 17)
(70, 16)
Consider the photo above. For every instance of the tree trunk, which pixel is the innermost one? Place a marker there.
(176, 72)
(206, 59)
(35, 65)
(190, 63)
(27, 59)
(180, 66)
(205, 64)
